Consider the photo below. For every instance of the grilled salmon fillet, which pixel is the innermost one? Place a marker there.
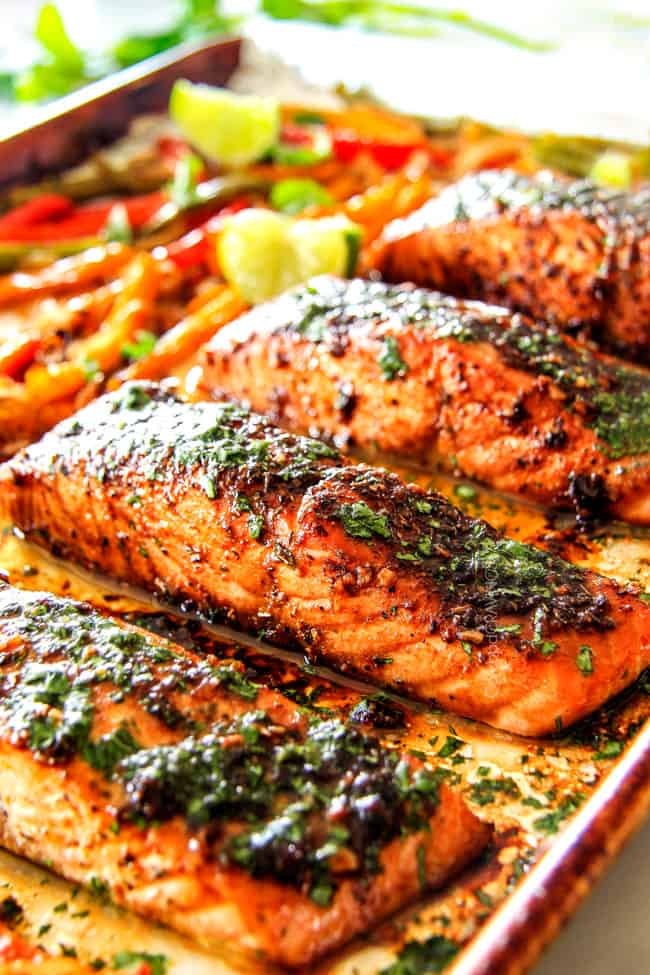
(490, 394)
(213, 507)
(202, 799)
(568, 252)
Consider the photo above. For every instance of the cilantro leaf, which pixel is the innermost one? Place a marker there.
(360, 521)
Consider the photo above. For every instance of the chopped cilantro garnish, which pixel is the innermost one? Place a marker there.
(142, 346)
(255, 526)
(423, 957)
(292, 196)
(585, 660)
(486, 790)
(183, 188)
(450, 746)
(322, 894)
(609, 749)
(99, 889)
(118, 226)
(91, 369)
(550, 823)
(390, 361)
(484, 898)
(107, 752)
(158, 964)
(360, 521)
(466, 492)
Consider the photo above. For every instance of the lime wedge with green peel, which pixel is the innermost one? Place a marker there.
(256, 255)
(263, 253)
(327, 246)
(230, 129)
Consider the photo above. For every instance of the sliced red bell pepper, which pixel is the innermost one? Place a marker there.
(172, 149)
(295, 135)
(50, 206)
(346, 146)
(140, 209)
(192, 248)
(241, 203)
(440, 156)
(84, 221)
(188, 250)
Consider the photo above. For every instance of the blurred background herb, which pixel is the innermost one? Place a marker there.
(62, 66)
(393, 18)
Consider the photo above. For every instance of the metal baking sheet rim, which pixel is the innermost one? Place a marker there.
(528, 920)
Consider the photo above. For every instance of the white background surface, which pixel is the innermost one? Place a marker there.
(597, 81)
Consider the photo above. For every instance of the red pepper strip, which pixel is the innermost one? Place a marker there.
(206, 215)
(172, 149)
(192, 248)
(295, 135)
(241, 203)
(88, 220)
(14, 359)
(441, 157)
(500, 160)
(50, 206)
(139, 208)
(389, 155)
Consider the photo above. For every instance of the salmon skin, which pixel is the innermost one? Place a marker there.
(213, 507)
(489, 394)
(201, 799)
(567, 252)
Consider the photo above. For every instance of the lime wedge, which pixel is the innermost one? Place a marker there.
(230, 129)
(256, 255)
(263, 253)
(327, 246)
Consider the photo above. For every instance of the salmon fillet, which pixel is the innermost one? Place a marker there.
(215, 508)
(412, 372)
(203, 800)
(567, 252)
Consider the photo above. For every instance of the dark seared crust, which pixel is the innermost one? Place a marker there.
(522, 407)
(564, 251)
(189, 823)
(494, 192)
(275, 534)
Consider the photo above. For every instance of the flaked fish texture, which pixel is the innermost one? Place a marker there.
(197, 797)
(483, 391)
(213, 507)
(564, 251)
